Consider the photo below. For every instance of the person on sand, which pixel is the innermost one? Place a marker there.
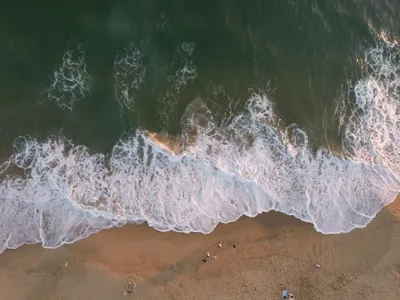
(284, 294)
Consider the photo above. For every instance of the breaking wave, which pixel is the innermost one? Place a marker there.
(213, 173)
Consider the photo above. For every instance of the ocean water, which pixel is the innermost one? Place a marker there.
(188, 114)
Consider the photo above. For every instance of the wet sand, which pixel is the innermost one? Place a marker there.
(273, 252)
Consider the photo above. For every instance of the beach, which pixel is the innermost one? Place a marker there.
(273, 252)
(137, 135)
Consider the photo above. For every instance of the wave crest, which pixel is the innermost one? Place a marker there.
(212, 174)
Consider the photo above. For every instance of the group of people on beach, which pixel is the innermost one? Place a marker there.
(214, 257)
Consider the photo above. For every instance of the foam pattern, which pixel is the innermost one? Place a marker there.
(247, 166)
(70, 81)
(130, 73)
(181, 71)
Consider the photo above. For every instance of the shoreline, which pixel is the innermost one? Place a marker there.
(273, 252)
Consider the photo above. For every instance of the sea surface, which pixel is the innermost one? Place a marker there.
(186, 114)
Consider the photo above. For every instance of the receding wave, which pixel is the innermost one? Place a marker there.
(213, 173)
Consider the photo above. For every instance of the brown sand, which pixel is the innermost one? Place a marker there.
(273, 252)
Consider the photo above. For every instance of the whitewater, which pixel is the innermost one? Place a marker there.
(54, 192)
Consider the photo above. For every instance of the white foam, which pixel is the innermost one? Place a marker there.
(130, 73)
(247, 166)
(71, 81)
(183, 70)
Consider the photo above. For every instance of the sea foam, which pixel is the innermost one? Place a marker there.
(180, 72)
(130, 73)
(70, 81)
(246, 166)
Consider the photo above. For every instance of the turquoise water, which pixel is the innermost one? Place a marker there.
(226, 78)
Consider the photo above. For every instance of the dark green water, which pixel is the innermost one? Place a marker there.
(304, 49)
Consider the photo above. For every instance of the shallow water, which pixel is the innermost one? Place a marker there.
(275, 105)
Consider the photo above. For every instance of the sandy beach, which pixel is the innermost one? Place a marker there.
(273, 252)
